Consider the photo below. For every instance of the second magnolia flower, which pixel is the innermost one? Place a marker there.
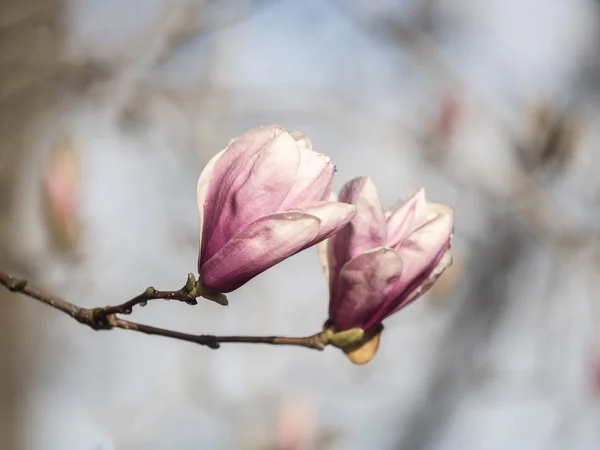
(383, 260)
(261, 200)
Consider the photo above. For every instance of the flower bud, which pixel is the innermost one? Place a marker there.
(383, 261)
(261, 200)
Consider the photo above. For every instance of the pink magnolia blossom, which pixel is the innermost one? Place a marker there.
(61, 193)
(261, 200)
(383, 261)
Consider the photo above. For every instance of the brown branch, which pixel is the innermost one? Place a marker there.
(105, 318)
(314, 341)
(186, 294)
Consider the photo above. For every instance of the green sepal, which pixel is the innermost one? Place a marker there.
(211, 295)
(347, 338)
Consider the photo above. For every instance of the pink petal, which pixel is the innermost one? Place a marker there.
(366, 231)
(314, 177)
(421, 253)
(325, 252)
(202, 187)
(248, 143)
(421, 247)
(251, 188)
(333, 216)
(368, 228)
(363, 285)
(327, 260)
(419, 286)
(240, 148)
(259, 246)
(408, 216)
(429, 278)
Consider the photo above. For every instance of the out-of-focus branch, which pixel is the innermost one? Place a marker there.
(183, 22)
(428, 56)
(105, 318)
(178, 24)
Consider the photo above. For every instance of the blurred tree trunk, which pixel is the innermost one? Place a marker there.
(29, 63)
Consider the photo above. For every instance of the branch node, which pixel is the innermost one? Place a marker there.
(16, 285)
(149, 292)
(213, 345)
(95, 318)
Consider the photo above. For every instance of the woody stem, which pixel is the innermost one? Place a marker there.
(106, 318)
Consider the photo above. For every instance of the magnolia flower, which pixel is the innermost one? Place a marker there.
(261, 200)
(382, 261)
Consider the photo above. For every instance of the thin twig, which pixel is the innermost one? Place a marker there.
(314, 341)
(186, 294)
(105, 318)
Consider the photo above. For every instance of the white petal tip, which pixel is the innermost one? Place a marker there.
(302, 140)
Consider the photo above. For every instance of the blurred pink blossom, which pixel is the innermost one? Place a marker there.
(61, 192)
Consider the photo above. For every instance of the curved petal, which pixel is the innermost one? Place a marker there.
(406, 217)
(254, 187)
(210, 196)
(326, 258)
(398, 299)
(421, 247)
(366, 231)
(429, 278)
(325, 253)
(314, 177)
(368, 228)
(363, 285)
(243, 148)
(422, 253)
(202, 190)
(333, 216)
(259, 246)
(410, 215)
(247, 144)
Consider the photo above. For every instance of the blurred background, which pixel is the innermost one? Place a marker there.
(109, 111)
